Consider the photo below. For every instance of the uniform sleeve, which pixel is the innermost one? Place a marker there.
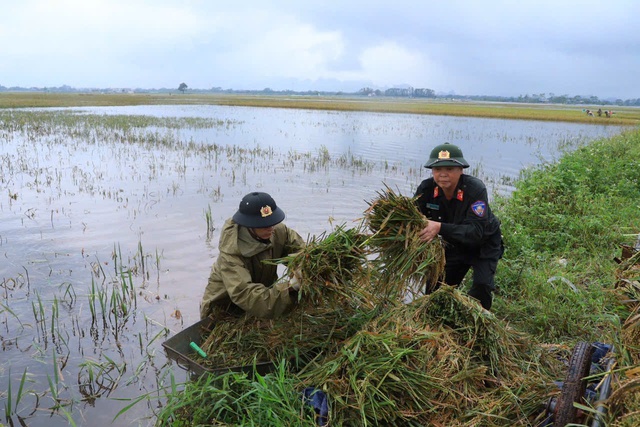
(254, 298)
(475, 223)
(295, 242)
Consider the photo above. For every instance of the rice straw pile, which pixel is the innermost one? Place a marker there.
(402, 369)
(491, 341)
(403, 258)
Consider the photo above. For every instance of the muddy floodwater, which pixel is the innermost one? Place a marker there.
(110, 218)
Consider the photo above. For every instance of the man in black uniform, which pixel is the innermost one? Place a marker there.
(457, 209)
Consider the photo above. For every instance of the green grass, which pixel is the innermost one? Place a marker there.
(562, 226)
(237, 399)
(568, 113)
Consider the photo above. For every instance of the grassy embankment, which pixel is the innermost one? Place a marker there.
(568, 113)
(563, 226)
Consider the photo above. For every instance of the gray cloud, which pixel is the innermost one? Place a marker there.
(501, 47)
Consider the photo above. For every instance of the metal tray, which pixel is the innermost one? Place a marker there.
(178, 349)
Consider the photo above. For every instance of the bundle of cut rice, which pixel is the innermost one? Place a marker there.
(402, 257)
(332, 269)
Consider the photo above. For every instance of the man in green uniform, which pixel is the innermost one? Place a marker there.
(240, 280)
(457, 208)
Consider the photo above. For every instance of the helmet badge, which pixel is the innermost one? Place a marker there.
(444, 154)
(265, 211)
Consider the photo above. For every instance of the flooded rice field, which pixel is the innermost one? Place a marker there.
(109, 221)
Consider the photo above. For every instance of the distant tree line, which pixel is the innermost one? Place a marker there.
(541, 98)
(396, 91)
(408, 92)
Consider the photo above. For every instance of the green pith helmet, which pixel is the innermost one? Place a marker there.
(258, 210)
(446, 155)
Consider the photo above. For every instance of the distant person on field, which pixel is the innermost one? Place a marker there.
(457, 209)
(240, 280)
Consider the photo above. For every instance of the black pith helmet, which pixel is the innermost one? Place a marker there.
(446, 155)
(258, 210)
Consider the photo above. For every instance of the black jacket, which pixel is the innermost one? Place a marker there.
(468, 224)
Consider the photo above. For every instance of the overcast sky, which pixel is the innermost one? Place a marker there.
(469, 47)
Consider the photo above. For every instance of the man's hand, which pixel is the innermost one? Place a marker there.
(294, 283)
(296, 273)
(295, 279)
(430, 232)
